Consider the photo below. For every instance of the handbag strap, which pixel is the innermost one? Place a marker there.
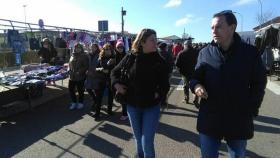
(129, 61)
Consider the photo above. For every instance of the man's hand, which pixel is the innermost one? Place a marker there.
(200, 91)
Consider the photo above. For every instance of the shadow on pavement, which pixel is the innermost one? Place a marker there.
(267, 119)
(266, 129)
(253, 155)
(115, 131)
(22, 130)
(178, 134)
(103, 146)
(174, 107)
(115, 118)
(182, 135)
(249, 153)
(178, 114)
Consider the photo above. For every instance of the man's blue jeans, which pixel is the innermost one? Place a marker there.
(210, 147)
(144, 123)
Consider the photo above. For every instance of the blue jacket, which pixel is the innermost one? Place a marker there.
(235, 82)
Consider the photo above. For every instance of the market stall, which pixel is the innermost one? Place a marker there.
(28, 85)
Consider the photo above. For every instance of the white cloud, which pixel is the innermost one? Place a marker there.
(189, 18)
(63, 13)
(173, 3)
(243, 2)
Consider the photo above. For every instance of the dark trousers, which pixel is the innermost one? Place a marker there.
(186, 86)
(99, 96)
(186, 91)
(79, 85)
(91, 92)
(124, 110)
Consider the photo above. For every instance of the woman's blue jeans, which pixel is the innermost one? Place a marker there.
(144, 123)
(210, 147)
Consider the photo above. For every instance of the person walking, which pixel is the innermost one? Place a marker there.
(147, 83)
(230, 79)
(185, 62)
(168, 58)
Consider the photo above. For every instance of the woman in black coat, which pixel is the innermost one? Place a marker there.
(147, 83)
(106, 62)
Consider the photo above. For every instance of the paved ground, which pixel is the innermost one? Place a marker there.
(52, 131)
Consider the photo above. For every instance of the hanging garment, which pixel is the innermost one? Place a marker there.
(267, 58)
(34, 44)
(60, 43)
(13, 35)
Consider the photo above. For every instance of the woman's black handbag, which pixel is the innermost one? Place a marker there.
(124, 78)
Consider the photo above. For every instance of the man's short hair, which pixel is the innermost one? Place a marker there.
(188, 42)
(228, 14)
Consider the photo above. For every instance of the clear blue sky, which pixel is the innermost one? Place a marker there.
(167, 17)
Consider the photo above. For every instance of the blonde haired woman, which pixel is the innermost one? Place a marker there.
(146, 86)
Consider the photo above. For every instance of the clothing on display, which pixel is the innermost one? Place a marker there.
(12, 36)
(60, 43)
(34, 44)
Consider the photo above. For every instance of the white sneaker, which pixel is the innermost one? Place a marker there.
(80, 106)
(72, 106)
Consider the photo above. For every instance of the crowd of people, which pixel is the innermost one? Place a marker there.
(226, 76)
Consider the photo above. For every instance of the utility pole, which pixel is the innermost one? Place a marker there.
(123, 13)
(184, 35)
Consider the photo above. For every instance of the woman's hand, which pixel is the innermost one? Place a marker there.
(200, 91)
(99, 69)
(120, 88)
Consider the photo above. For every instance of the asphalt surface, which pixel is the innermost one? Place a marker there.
(52, 131)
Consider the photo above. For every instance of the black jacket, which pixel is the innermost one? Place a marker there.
(47, 55)
(235, 82)
(119, 56)
(186, 61)
(167, 56)
(147, 75)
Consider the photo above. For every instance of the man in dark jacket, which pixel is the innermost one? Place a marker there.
(168, 58)
(230, 79)
(185, 63)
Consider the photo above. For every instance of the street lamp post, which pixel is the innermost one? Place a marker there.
(241, 20)
(24, 9)
(123, 13)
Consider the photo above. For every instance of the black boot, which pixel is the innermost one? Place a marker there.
(97, 113)
(109, 110)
